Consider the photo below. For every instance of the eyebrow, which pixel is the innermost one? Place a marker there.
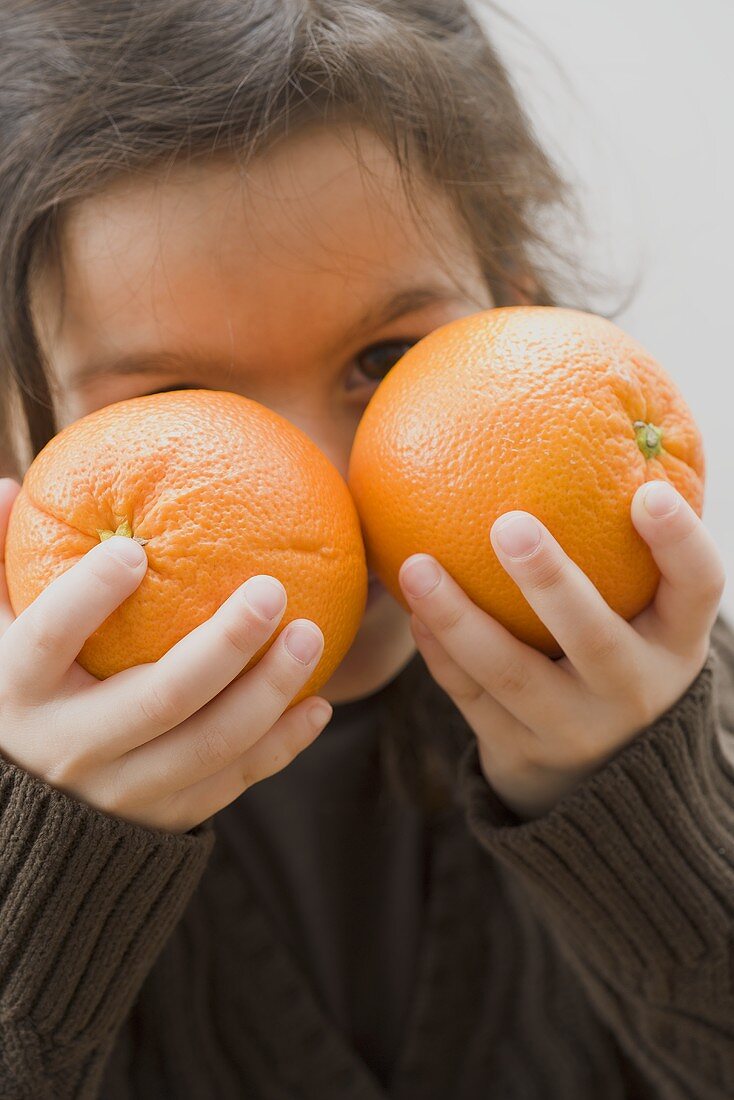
(157, 361)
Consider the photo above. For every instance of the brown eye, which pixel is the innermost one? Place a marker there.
(376, 361)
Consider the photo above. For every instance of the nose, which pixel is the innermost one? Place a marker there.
(337, 455)
(340, 460)
(333, 435)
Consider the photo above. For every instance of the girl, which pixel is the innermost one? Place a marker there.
(493, 874)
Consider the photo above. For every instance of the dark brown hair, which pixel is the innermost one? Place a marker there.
(90, 92)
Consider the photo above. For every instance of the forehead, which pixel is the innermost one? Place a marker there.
(212, 244)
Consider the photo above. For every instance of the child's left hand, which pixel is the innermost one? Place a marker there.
(543, 725)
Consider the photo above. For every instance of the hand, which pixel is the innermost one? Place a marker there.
(164, 744)
(543, 725)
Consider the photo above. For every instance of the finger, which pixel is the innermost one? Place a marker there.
(531, 686)
(505, 743)
(508, 746)
(9, 490)
(292, 733)
(455, 680)
(602, 647)
(228, 726)
(480, 709)
(153, 698)
(692, 573)
(45, 639)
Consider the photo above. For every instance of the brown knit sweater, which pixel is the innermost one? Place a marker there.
(587, 953)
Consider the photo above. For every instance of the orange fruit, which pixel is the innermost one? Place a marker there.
(219, 488)
(553, 411)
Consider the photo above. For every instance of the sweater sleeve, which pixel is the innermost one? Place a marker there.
(633, 873)
(87, 902)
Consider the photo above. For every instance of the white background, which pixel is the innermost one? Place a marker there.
(634, 100)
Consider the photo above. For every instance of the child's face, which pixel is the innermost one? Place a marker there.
(276, 285)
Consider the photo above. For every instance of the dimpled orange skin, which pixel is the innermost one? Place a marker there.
(521, 407)
(222, 488)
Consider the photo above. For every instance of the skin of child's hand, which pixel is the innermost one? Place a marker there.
(164, 744)
(544, 724)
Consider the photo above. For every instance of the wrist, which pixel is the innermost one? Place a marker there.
(531, 791)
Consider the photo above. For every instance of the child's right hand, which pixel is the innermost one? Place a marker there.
(164, 744)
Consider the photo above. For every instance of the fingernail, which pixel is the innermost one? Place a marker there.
(518, 535)
(302, 642)
(660, 499)
(421, 576)
(124, 549)
(264, 595)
